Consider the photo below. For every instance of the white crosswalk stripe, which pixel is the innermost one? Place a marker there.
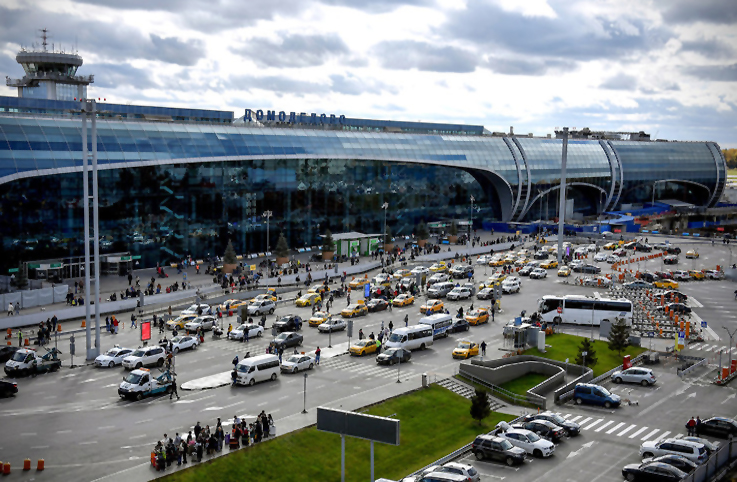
(584, 421)
(638, 432)
(566, 415)
(626, 430)
(593, 424)
(604, 426)
(662, 436)
(678, 436)
(616, 427)
(650, 434)
(576, 418)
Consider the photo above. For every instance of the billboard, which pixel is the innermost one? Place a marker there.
(358, 425)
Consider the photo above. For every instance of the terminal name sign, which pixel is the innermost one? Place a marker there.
(294, 118)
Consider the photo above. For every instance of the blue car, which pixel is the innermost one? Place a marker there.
(595, 395)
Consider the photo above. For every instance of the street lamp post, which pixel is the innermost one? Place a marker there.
(731, 336)
(470, 226)
(304, 406)
(383, 235)
(267, 215)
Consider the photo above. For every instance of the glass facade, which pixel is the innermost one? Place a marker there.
(171, 189)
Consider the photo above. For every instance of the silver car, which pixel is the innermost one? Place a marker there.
(643, 376)
(261, 307)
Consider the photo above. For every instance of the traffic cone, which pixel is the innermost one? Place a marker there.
(40, 465)
(84, 323)
(27, 464)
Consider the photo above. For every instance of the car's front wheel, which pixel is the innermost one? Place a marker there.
(510, 461)
(111, 364)
(479, 456)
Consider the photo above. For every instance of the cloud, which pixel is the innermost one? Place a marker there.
(620, 81)
(711, 48)
(377, 6)
(341, 84)
(410, 54)
(719, 73)
(295, 50)
(572, 34)
(352, 85)
(690, 11)
(175, 51)
(119, 74)
(519, 66)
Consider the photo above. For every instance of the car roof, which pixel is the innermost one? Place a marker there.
(692, 443)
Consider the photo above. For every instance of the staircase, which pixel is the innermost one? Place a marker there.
(467, 391)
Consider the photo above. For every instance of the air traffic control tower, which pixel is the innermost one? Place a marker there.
(50, 74)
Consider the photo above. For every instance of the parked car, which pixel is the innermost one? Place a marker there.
(198, 309)
(438, 278)
(612, 258)
(497, 448)
(7, 352)
(548, 430)
(485, 294)
(692, 254)
(8, 388)
(153, 355)
(461, 271)
(468, 472)
(287, 339)
(647, 276)
(680, 275)
(681, 463)
(600, 256)
(695, 452)
(602, 281)
(587, 269)
(512, 285)
(253, 330)
(721, 427)
(459, 293)
(643, 376)
(638, 284)
(673, 250)
(114, 356)
(671, 295)
(714, 274)
(261, 307)
(527, 440)
(595, 395)
(571, 428)
(538, 273)
(206, 322)
(652, 471)
(541, 254)
(679, 308)
(179, 343)
(288, 323)
(332, 324)
(670, 259)
(459, 325)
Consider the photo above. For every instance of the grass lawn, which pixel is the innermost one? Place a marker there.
(566, 346)
(731, 172)
(434, 422)
(525, 382)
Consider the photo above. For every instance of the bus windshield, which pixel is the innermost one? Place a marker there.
(546, 306)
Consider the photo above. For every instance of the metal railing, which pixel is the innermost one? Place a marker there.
(717, 463)
(506, 395)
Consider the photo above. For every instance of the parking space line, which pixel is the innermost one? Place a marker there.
(661, 437)
(593, 424)
(650, 434)
(604, 426)
(638, 432)
(615, 428)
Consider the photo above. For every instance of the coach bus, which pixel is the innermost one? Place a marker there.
(584, 310)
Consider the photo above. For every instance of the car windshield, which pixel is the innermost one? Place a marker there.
(391, 352)
(464, 345)
(361, 343)
(285, 318)
(19, 356)
(112, 351)
(506, 444)
(176, 339)
(558, 419)
(604, 391)
(199, 319)
(293, 359)
(133, 378)
(395, 337)
(282, 336)
(138, 353)
(533, 437)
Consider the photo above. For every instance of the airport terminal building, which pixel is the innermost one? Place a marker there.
(178, 181)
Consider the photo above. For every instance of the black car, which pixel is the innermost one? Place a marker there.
(497, 448)
(673, 294)
(587, 268)
(721, 427)
(652, 471)
(288, 323)
(377, 304)
(545, 429)
(679, 307)
(459, 325)
(673, 250)
(393, 355)
(461, 271)
(645, 248)
(677, 461)
(8, 388)
(649, 277)
(671, 259)
(287, 339)
(7, 352)
(541, 255)
(571, 428)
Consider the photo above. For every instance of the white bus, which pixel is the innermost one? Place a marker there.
(584, 310)
(440, 322)
(410, 338)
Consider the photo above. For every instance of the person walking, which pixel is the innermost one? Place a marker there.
(691, 426)
(11, 309)
(391, 326)
(174, 389)
(317, 356)
(406, 320)
(17, 308)
(483, 348)
(20, 338)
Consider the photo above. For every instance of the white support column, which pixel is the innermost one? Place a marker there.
(96, 229)
(86, 234)
(562, 204)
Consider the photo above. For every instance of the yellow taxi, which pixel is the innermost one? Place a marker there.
(439, 267)
(232, 304)
(358, 283)
(264, 297)
(564, 271)
(319, 318)
(382, 279)
(692, 254)
(403, 300)
(611, 246)
(549, 264)
(180, 321)
(510, 259)
(356, 309)
(477, 316)
(465, 349)
(308, 299)
(522, 261)
(364, 347)
(666, 283)
(432, 306)
(497, 262)
(695, 274)
(402, 273)
(320, 289)
(491, 282)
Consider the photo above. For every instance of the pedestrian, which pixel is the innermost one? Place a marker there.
(391, 326)
(317, 356)
(17, 308)
(691, 426)
(483, 348)
(10, 306)
(174, 389)
(245, 334)
(20, 338)
(183, 449)
(233, 376)
(360, 333)
(406, 320)
(698, 425)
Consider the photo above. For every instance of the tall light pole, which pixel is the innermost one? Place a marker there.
(383, 235)
(731, 336)
(267, 215)
(562, 207)
(470, 226)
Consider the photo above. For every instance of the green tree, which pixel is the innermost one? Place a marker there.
(619, 336)
(730, 156)
(480, 405)
(421, 231)
(588, 347)
(229, 256)
(282, 248)
(21, 280)
(328, 245)
(453, 230)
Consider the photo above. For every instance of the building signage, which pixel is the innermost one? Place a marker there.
(294, 118)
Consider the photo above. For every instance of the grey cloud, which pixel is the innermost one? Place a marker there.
(293, 51)
(111, 76)
(509, 66)
(570, 35)
(711, 48)
(719, 73)
(690, 11)
(110, 40)
(620, 82)
(348, 85)
(408, 54)
(377, 6)
(352, 85)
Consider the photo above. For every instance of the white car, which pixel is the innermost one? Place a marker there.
(206, 322)
(420, 270)
(113, 356)
(527, 440)
(591, 248)
(334, 323)
(714, 274)
(254, 331)
(642, 376)
(511, 286)
(483, 259)
(695, 452)
(460, 293)
(192, 310)
(602, 281)
(601, 256)
(296, 363)
(485, 293)
(153, 355)
(612, 258)
(538, 273)
(574, 263)
(179, 343)
(438, 278)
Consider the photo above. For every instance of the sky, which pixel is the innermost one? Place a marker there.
(666, 67)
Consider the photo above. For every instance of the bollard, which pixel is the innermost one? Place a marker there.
(27, 464)
(84, 323)
(26, 342)
(40, 465)
(6, 468)
(58, 327)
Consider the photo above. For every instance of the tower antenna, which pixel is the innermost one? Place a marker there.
(44, 38)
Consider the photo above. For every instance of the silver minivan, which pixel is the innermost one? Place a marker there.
(439, 290)
(257, 369)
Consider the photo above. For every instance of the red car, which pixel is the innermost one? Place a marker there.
(664, 274)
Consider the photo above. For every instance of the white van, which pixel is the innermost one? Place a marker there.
(257, 369)
(410, 338)
(440, 322)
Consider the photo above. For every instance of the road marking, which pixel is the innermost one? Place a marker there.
(566, 415)
(138, 436)
(593, 424)
(638, 432)
(212, 408)
(105, 427)
(604, 426)
(111, 385)
(40, 447)
(576, 418)
(30, 434)
(262, 404)
(584, 421)
(615, 428)
(626, 430)
(284, 397)
(70, 375)
(678, 436)
(145, 420)
(661, 437)
(64, 431)
(89, 380)
(729, 397)
(89, 442)
(650, 434)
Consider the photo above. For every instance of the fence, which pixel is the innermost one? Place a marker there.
(35, 297)
(696, 362)
(717, 462)
(530, 400)
(563, 394)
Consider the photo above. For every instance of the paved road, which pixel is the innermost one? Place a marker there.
(75, 420)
